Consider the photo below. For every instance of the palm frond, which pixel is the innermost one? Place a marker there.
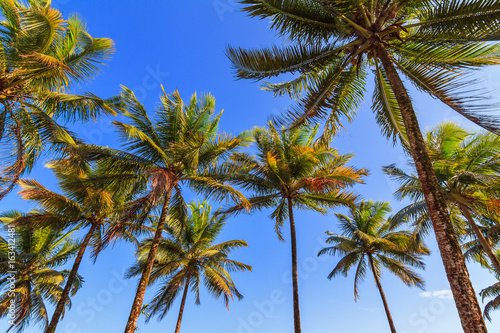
(297, 20)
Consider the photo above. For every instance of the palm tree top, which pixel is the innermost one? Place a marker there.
(43, 57)
(366, 235)
(294, 161)
(41, 48)
(369, 224)
(180, 139)
(466, 164)
(293, 164)
(195, 235)
(180, 144)
(190, 253)
(43, 242)
(39, 255)
(432, 43)
(78, 201)
(369, 217)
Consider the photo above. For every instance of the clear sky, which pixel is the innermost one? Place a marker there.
(180, 44)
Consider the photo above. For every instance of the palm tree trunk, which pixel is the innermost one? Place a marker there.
(382, 294)
(183, 302)
(74, 270)
(135, 312)
(295, 278)
(451, 254)
(484, 242)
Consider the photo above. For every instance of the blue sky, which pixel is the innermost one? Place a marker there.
(180, 44)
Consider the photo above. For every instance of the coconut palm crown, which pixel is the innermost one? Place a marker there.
(190, 256)
(294, 165)
(432, 43)
(42, 57)
(32, 264)
(467, 166)
(367, 242)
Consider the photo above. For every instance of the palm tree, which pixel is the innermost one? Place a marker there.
(494, 304)
(434, 44)
(79, 205)
(367, 240)
(42, 57)
(179, 146)
(467, 167)
(189, 256)
(38, 254)
(292, 170)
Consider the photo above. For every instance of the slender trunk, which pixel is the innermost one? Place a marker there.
(67, 288)
(451, 254)
(484, 242)
(382, 294)
(183, 302)
(295, 278)
(135, 312)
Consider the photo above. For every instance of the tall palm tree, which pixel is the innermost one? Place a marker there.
(189, 256)
(367, 241)
(432, 43)
(42, 56)
(180, 145)
(80, 205)
(467, 167)
(38, 255)
(291, 170)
